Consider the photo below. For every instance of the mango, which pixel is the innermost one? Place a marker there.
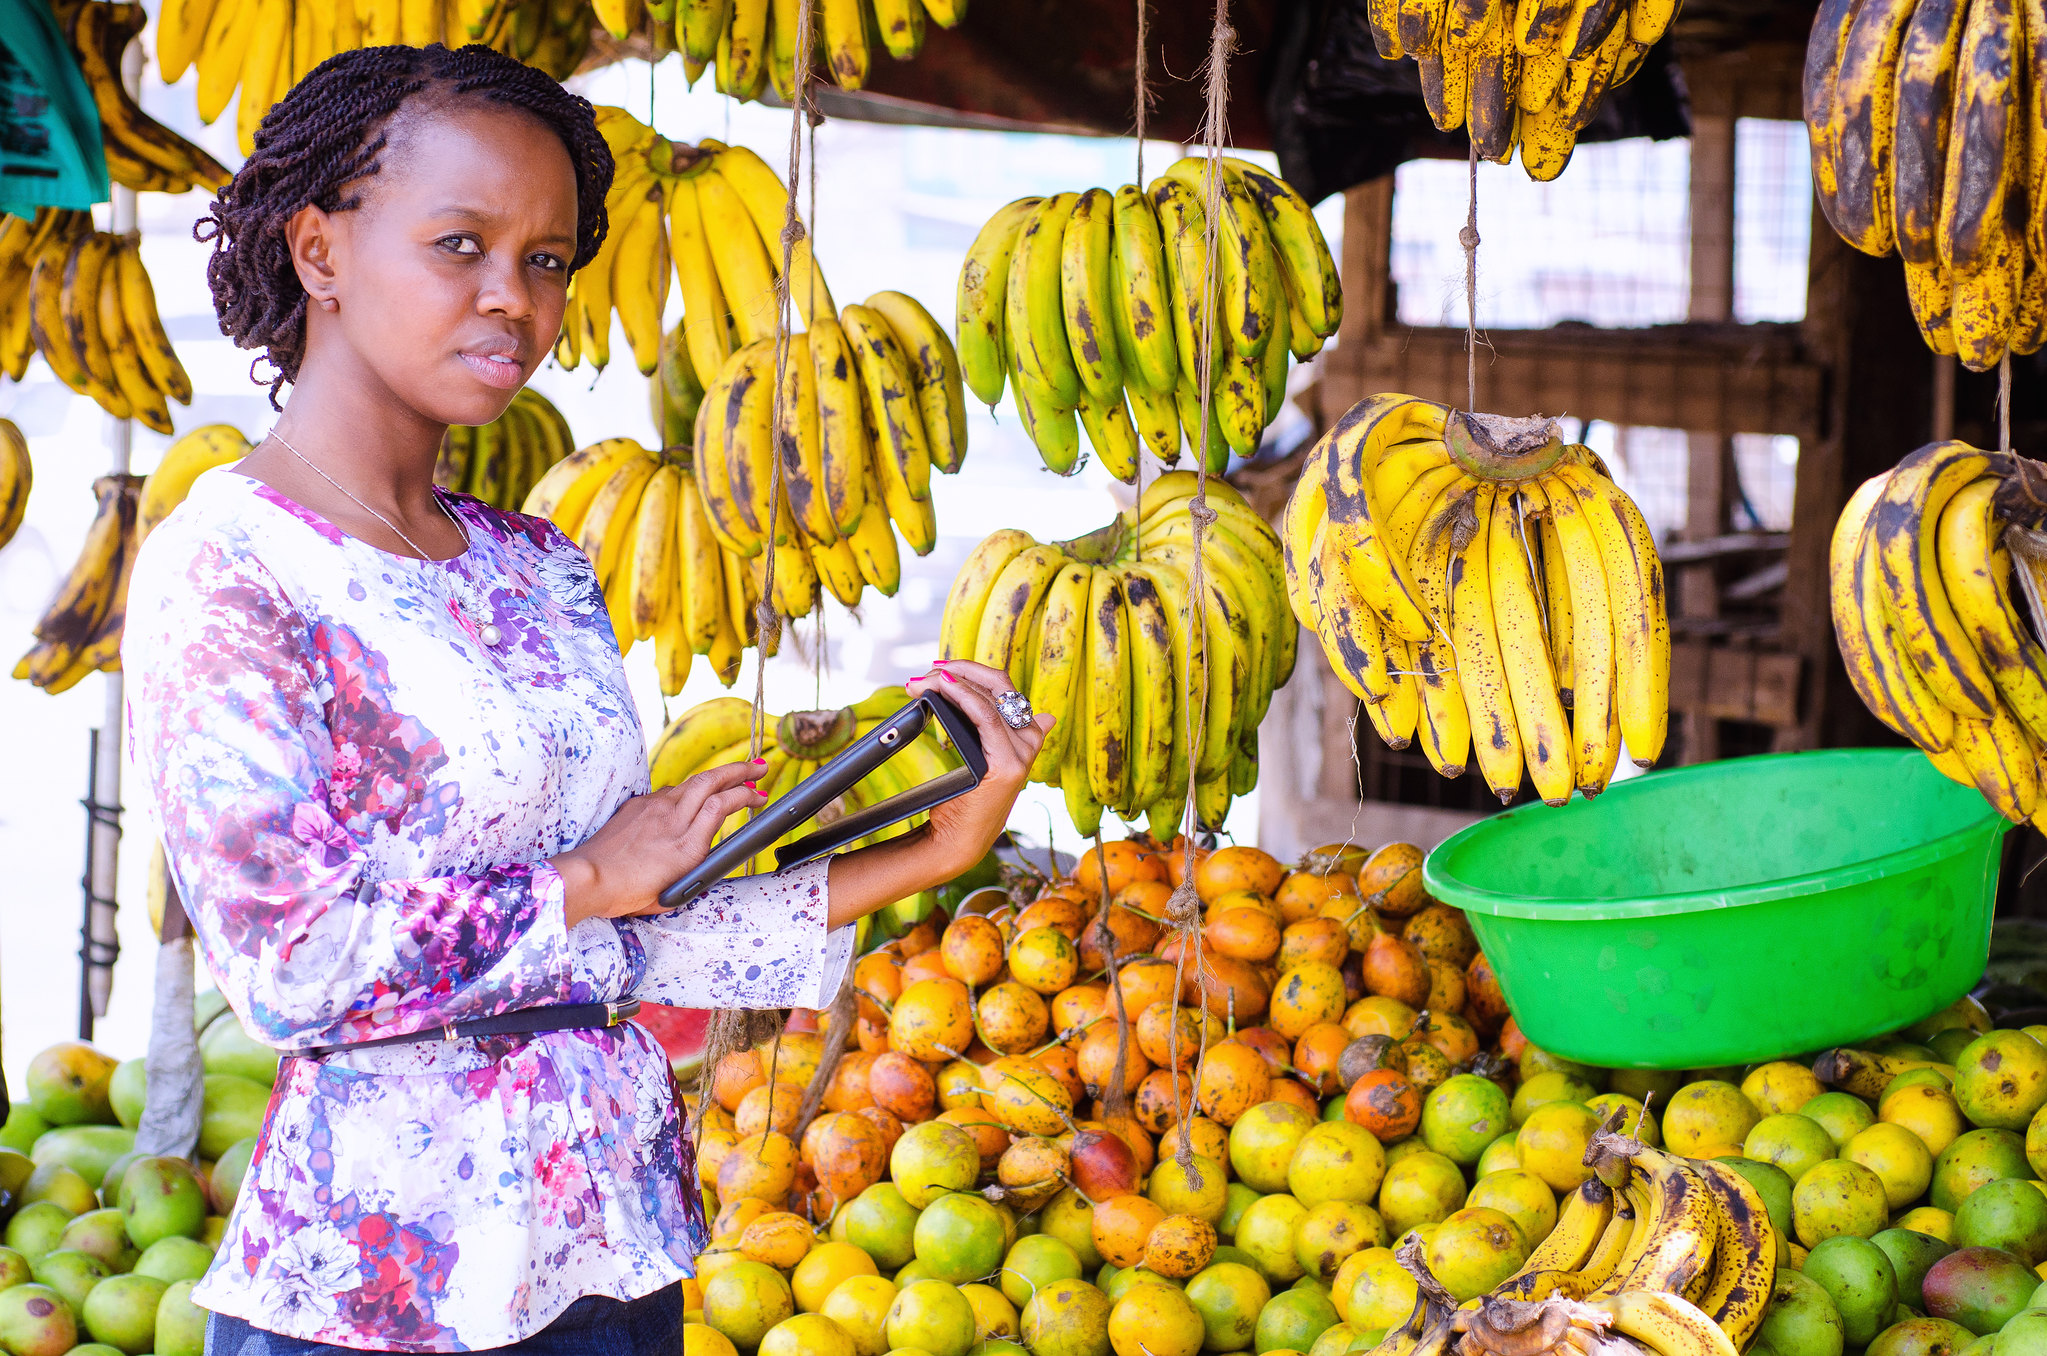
(67, 1084)
(161, 1198)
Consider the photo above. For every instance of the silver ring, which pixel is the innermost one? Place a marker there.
(1014, 708)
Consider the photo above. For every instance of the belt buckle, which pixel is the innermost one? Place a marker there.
(620, 1011)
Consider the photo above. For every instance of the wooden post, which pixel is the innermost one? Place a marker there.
(1712, 299)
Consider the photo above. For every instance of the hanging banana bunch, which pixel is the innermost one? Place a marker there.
(1925, 572)
(1091, 307)
(141, 152)
(719, 731)
(1097, 631)
(747, 43)
(250, 53)
(82, 299)
(501, 462)
(1928, 121)
(80, 632)
(1485, 589)
(1527, 75)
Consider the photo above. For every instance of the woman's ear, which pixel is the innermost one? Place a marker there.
(310, 236)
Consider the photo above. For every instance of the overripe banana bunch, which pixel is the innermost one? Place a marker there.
(80, 631)
(1099, 632)
(1091, 307)
(794, 746)
(747, 43)
(501, 462)
(639, 517)
(82, 299)
(1928, 121)
(717, 212)
(1528, 74)
(141, 152)
(1472, 579)
(1656, 1255)
(16, 476)
(264, 47)
(1922, 572)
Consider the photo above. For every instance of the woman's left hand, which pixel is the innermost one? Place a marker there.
(966, 827)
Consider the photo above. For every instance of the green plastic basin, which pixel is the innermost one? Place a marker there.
(1732, 911)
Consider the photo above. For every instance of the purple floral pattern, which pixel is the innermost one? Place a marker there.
(358, 799)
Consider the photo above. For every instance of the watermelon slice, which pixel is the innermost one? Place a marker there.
(681, 1032)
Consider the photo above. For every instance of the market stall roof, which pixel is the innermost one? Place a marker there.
(1306, 82)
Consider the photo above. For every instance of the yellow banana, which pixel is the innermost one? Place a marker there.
(564, 493)
(1310, 272)
(653, 594)
(959, 626)
(746, 275)
(1496, 737)
(801, 447)
(1907, 549)
(1521, 630)
(983, 298)
(1061, 643)
(2001, 762)
(1143, 295)
(1004, 639)
(874, 545)
(1973, 572)
(845, 40)
(1034, 315)
(749, 440)
(1105, 702)
(686, 746)
(1592, 639)
(703, 303)
(607, 526)
(766, 199)
(839, 568)
(1084, 289)
(844, 444)
(700, 561)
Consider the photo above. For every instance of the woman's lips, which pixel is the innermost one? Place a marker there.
(506, 373)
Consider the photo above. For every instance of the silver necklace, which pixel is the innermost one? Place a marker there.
(478, 611)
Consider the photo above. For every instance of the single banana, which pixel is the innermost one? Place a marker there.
(1061, 642)
(766, 200)
(17, 475)
(1973, 572)
(983, 297)
(901, 25)
(1142, 295)
(1311, 275)
(1666, 1324)
(1034, 315)
(686, 746)
(1496, 738)
(2001, 762)
(1924, 111)
(700, 566)
(1105, 704)
(746, 275)
(1634, 583)
(1746, 1252)
(1983, 154)
(1085, 284)
(1521, 631)
(800, 446)
(1004, 638)
(703, 303)
(845, 40)
(845, 449)
(652, 588)
(874, 544)
(839, 569)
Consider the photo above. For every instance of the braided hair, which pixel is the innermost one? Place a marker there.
(327, 134)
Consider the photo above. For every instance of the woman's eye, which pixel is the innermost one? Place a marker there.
(551, 262)
(460, 244)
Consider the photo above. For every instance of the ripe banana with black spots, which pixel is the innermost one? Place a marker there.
(1481, 586)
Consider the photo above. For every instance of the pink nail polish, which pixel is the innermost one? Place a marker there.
(941, 661)
(760, 762)
(751, 787)
(948, 677)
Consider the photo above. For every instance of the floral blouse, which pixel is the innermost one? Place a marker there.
(357, 798)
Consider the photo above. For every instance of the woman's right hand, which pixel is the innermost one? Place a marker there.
(651, 842)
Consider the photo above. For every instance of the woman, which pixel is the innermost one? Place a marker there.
(399, 775)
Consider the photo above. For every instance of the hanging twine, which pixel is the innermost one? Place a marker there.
(1141, 76)
(2004, 402)
(1468, 238)
(731, 1030)
(1183, 909)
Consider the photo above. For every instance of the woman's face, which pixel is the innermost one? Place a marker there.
(448, 283)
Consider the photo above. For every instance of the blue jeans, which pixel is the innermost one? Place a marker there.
(594, 1325)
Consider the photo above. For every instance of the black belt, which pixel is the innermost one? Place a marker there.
(519, 1022)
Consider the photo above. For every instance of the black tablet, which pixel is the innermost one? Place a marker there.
(829, 782)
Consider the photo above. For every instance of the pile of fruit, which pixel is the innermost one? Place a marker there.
(1379, 1158)
(714, 733)
(103, 1245)
(81, 298)
(1528, 75)
(1082, 302)
(1921, 574)
(80, 631)
(501, 462)
(1101, 632)
(1471, 578)
(1929, 137)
